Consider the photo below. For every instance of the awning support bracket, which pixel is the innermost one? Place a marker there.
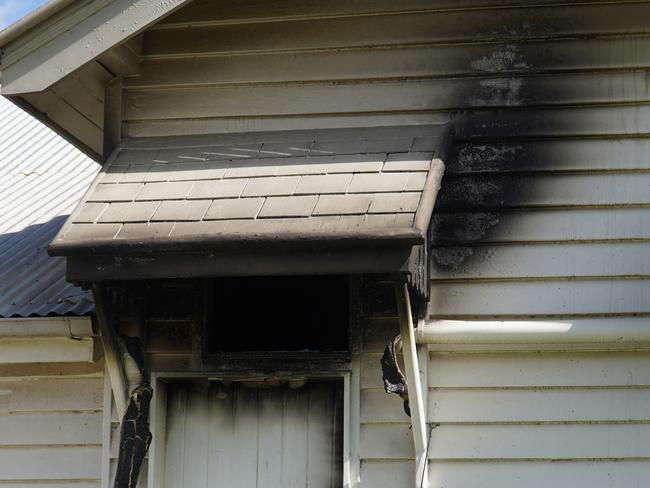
(114, 364)
(415, 390)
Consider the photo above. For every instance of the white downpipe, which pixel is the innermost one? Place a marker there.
(595, 331)
(416, 401)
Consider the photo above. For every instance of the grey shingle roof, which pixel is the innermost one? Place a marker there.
(42, 177)
(318, 184)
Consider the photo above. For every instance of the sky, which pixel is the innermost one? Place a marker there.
(12, 10)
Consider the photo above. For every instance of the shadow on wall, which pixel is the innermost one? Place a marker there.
(31, 282)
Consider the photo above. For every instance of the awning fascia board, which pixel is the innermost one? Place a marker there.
(206, 244)
(314, 260)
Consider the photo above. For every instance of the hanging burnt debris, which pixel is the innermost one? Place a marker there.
(394, 380)
(135, 436)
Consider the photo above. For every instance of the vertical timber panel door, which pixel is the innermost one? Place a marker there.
(243, 436)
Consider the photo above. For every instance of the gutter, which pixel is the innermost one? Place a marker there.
(31, 20)
(52, 327)
(619, 330)
(47, 340)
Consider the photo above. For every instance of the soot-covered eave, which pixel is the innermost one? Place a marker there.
(391, 259)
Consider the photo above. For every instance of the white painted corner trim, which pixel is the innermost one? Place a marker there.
(46, 52)
(603, 331)
(47, 340)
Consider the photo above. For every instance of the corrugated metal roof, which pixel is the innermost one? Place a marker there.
(42, 177)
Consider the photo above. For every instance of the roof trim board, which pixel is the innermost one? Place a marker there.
(43, 53)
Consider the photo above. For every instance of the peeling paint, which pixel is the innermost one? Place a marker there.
(506, 58)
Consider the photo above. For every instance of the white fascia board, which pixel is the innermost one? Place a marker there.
(35, 63)
(62, 327)
(46, 350)
(616, 331)
(46, 340)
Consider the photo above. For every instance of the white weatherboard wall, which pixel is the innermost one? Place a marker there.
(51, 424)
(542, 214)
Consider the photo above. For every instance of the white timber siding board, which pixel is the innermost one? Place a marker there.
(585, 474)
(512, 442)
(411, 95)
(52, 484)
(54, 463)
(47, 394)
(575, 225)
(455, 25)
(59, 428)
(51, 421)
(233, 12)
(429, 60)
(553, 297)
(521, 261)
(559, 369)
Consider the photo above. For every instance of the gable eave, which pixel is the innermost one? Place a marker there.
(61, 37)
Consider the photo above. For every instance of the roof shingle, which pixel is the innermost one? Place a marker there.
(326, 182)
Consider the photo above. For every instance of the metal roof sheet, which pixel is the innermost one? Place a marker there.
(42, 177)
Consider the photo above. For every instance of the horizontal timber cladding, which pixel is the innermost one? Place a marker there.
(322, 65)
(51, 419)
(499, 418)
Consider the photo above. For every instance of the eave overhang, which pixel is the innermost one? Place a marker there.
(298, 202)
(64, 35)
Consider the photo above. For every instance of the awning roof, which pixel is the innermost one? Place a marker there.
(237, 199)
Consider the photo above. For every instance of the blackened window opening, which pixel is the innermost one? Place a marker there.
(292, 313)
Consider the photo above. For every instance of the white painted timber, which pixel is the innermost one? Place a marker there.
(585, 474)
(245, 436)
(54, 463)
(46, 327)
(551, 369)
(51, 428)
(48, 394)
(410, 95)
(543, 225)
(80, 43)
(50, 350)
(548, 297)
(426, 60)
(614, 330)
(51, 424)
(513, 442)
(547, 260)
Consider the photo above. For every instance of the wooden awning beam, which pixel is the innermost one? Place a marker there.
(114, 363)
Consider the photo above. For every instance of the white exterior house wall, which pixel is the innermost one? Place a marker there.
(542, 214)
